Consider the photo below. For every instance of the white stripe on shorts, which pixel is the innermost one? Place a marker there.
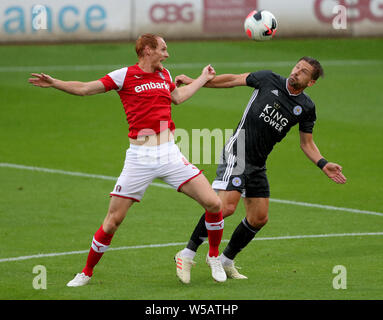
(219, 185)
(229, 167)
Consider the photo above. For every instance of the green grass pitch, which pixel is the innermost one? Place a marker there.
(43, 212)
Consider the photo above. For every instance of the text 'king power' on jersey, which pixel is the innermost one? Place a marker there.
(271, 112)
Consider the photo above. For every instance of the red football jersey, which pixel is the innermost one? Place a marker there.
(146, 98)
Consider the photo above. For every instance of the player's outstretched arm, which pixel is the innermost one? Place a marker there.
(181, 94)
(73, 87)
(221, 81)
(332, 170)
(228, 81)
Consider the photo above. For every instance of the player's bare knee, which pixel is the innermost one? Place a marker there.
(111, 225)
(258, 222)
(263, 221)
(112, 221)
(228, 209)
(214, 204)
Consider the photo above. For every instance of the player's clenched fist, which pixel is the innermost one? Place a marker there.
(209, 72)
(182, 79)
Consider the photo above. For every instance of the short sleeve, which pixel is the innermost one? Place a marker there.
(255, 79)
(307, 124)
(172, 84)
(115, 79)
(108, 83)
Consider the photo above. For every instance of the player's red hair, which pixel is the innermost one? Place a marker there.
(147, 39)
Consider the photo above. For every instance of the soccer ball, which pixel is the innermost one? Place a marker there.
(260, 25)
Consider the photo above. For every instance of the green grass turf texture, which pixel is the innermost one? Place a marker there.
(52, 213)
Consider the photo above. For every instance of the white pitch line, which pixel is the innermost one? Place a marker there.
(190, 65)
(322, 206)
(70, 173)
(162, 185)
(173, 244)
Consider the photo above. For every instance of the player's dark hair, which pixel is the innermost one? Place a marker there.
(318, 70)
(147, 39)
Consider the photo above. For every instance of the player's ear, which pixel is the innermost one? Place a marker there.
(147, 50)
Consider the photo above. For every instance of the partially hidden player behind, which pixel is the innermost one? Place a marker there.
(147, 90)
(276, 105)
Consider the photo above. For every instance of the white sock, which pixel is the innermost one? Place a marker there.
(188, 253)
(225, 260)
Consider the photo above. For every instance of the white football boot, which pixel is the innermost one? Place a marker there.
(217, 271)
(79, 280)
(232, 272)
(184, 265)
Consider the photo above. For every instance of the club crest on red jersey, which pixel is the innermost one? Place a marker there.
(161, 75)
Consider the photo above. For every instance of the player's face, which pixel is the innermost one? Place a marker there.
(301, 75)
(159, 54)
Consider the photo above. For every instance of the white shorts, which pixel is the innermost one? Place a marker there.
(144, 164)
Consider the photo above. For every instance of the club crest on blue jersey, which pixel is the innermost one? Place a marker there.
(297, 110)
